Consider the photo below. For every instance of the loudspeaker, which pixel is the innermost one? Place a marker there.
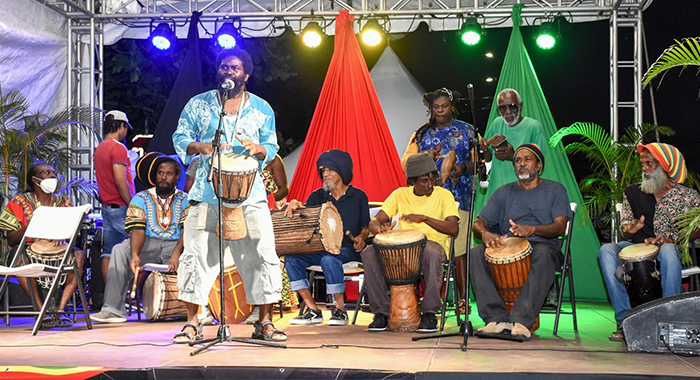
(666, 325)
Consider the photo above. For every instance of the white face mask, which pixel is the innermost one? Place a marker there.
(48, 184)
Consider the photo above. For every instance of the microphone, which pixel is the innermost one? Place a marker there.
(481, 166)
(228, 85)
(483, 179)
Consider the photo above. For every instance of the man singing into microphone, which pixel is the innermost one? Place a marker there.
(249, 129)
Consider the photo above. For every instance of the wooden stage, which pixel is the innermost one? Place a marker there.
(139, 349)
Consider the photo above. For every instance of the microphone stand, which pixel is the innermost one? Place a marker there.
(224, 333)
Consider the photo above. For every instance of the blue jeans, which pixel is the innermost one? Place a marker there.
(669, 264)
(331, 264)
(113, 233)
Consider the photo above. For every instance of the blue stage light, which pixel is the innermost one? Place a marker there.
(163, 37)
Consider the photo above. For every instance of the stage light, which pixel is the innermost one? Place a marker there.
(162, 37)
(312, 34)
(227, 36)
(372, 33)
(549, 31)
(470, 33)
(488, 55)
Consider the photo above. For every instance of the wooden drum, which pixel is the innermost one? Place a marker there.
(237, 176)
(159, 297)
(237, 310)
(310, 230)
(510, 266)
(399, 254)
(641, 274)
(46, 252)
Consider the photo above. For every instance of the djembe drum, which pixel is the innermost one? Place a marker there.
(237, 177)
(399, 254)
(46, 252)
(641, 274)
(510, 266)
(310, 230)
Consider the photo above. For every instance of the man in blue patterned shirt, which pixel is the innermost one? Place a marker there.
(153, 221)
(248, 129)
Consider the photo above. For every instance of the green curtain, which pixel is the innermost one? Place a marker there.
(519, 74)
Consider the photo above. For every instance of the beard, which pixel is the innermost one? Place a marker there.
(512, 118)
(328, 184)
(239, 82)
(164, 189)
(655, 181)
(528, 176)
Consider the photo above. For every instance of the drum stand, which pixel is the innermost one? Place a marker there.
(465, 327)
(224, 333)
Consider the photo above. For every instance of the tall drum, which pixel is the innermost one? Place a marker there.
(641, 274)
(399, 254)
(237, 177)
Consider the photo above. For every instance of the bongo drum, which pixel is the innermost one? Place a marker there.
(510, 266)
(46, 252)
(237, 177)
(310, 230)
(237, 310)
(399, 254)
(159, 297)
(641, 274)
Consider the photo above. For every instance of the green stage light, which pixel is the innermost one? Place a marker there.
(470, 31)
(546, 40)
(547, 34)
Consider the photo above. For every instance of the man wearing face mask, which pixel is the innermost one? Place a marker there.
(649, 210)
(517, 130)
(154, 223)
(335, 169)
(41, 183)
(114, 182)
(534, 209)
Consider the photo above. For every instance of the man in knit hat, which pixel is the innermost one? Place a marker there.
(335, 169)
(532, 208)
(649, 210)
(424, 207)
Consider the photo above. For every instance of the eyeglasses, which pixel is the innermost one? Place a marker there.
(512, 106)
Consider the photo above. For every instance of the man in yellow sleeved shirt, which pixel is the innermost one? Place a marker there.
(421, 206)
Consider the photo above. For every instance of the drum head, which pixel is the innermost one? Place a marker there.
(236, 163)
(47, 247)
(331, 228)
(151, 294)
(399, 237)
(639, 252)
(513, 249)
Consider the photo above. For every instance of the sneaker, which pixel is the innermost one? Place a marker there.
(105, 316)
(311, 317)
(254, 316)
(378, 323)
(428, 323)
(339, 317)
(618, 335)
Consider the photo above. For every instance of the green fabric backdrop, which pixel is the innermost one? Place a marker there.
(519, 74)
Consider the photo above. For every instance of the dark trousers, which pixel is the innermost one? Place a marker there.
(545, 259)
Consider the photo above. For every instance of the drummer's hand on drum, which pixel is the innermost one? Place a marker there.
(492, 240)
(521, 230)
(254, 149)
(634, 226)
(135, 263)
(658, 240)
(413, 218)
(386, 227)
(174, 262)
(291, 206)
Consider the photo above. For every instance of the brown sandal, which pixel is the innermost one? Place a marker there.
(273, 334)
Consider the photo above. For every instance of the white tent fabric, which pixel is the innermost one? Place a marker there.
(401, 98)
(33, 47)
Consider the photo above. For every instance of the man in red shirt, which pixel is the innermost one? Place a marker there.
(114, 181)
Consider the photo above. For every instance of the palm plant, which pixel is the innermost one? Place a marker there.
(683, 53)
(615, 164)
(29, 137)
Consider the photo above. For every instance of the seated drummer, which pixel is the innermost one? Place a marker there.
(335, 169)
(153, 221)
(424, 207)
(41, 184)
(649, 209)
(532, 208)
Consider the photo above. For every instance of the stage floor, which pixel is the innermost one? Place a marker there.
(138, 345)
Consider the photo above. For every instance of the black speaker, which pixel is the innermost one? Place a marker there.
(666, 325)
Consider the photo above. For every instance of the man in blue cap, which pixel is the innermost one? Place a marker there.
(335, 169)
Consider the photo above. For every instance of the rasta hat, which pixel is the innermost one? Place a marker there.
(147, 167)
(532, 148)
(670, 158)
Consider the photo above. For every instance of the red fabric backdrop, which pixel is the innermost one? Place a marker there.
(348, 116)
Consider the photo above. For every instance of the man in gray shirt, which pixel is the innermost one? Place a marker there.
(534, 209)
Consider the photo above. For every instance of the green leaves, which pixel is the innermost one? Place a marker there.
(687, 223)
(683, 53)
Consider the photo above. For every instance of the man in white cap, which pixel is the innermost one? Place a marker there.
(114, 182)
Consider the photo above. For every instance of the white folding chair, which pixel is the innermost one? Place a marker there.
(53, 223)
